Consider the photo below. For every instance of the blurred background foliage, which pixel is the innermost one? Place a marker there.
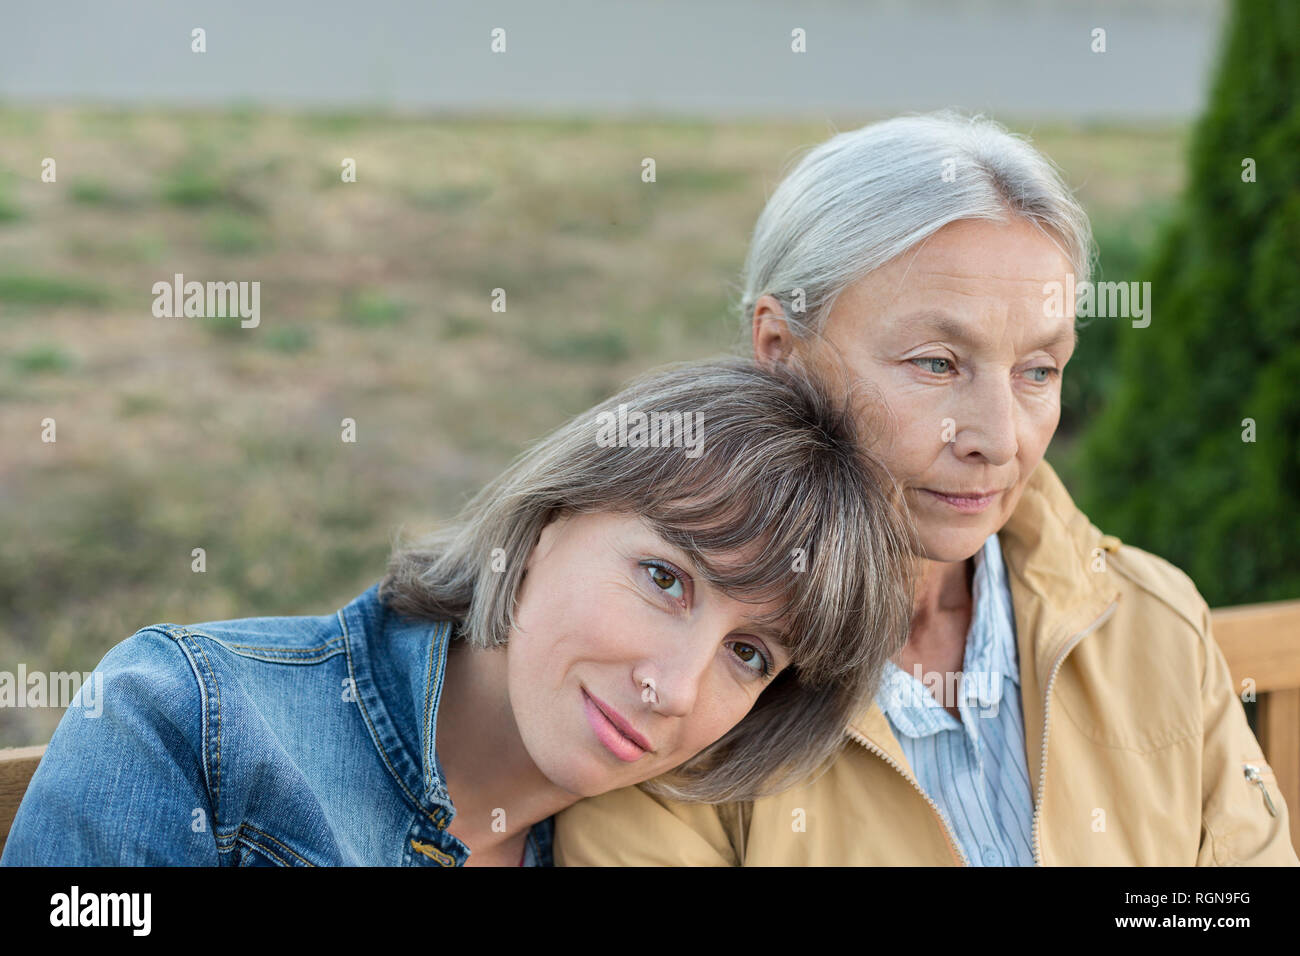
(1164, 462)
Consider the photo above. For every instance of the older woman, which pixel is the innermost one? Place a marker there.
(1060, 698)
(698, 581)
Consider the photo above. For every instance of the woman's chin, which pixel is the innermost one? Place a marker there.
(949, 545)
(583, 781)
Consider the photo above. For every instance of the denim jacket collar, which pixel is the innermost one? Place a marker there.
(398, 685)
(398, 665)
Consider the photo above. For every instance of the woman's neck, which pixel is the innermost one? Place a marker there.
(497, 790)
(941, 614)
(944, 586)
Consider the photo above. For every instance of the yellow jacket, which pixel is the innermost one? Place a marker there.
(1134, 733)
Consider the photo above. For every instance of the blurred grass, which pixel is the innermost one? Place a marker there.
(236, 235)
(27, 289)
(372, 307)
(9, 210)
(98, 192)
(376, 305)
(42, 358)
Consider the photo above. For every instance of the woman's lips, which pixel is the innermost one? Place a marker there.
(615, 741)
(968, 503)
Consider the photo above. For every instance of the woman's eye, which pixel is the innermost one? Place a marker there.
(752, 658)
(939, 366)
(1046, 374)
(665, 580)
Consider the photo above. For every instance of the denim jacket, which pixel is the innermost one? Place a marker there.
(290, 741)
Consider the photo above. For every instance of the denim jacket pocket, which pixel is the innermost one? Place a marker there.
(257, 848)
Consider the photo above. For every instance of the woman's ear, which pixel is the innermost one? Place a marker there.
(774, 341)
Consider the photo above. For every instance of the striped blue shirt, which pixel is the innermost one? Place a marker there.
(975, 769)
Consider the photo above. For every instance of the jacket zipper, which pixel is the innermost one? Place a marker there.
(1047, 721)
(433, 853)
(952, 843)
(1252, 774)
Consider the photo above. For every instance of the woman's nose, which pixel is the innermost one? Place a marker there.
(986, 423)
(677, 673)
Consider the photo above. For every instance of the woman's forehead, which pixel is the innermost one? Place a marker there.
(1009, 261)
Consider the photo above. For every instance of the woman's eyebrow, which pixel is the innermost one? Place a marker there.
(1069, 336)
(941, 322)
(949, 327)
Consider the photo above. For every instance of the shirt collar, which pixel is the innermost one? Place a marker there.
(993, 619)
(990, 655)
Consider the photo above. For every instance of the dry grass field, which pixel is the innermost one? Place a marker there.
(376, 305)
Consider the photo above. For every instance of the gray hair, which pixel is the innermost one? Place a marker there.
(780, 467)
(864, 197)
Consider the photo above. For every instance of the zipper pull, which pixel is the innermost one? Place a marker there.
(1252, 774)
(433, 853)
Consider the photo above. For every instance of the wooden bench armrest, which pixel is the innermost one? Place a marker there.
(17, 764)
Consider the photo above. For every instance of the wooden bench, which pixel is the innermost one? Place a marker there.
(17, 764)
(1260, 641)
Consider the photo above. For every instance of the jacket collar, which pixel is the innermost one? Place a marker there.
(1052, 552)
(398, 664)
(1048, 550)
